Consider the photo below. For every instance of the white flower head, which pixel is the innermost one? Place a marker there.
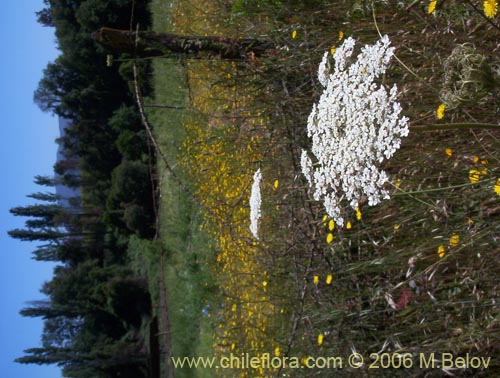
(354, 127)
(255, 202)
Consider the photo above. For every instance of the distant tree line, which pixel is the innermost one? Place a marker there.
(95, 303)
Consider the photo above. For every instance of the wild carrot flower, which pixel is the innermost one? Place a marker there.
(255, 202)
(490, 8)
(355, 126)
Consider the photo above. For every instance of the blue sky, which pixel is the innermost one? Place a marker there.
(27, 148)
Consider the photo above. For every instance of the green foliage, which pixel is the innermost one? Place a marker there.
(137, 220)
(132, 145)
(249, 7)
(128, 299)
(129, 183)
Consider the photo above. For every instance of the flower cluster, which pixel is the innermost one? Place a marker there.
(255, 201)
(355, 126)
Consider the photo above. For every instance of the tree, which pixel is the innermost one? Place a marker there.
(34, 235)
(150, 44)
(46, 310)
(38, 211)
(47, 196)
(57, 83)
(44, 16)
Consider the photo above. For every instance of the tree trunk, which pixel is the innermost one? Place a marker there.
(149, 44)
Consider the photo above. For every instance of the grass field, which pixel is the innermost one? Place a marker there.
(416, 274)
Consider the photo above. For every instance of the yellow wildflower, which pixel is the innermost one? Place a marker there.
(396, 227)
(348, 225)
(474, 176)
(497, 187)
(325, 218)
(470, 222)
(316, 279)
(490, 8)
(441, 251)
(277, 352)
(332, 50)
(329, 238)
(276, 184)
(475, 159)
(320, 339)
(432, 7)
(329, 279)
(264, 283)
(331, 225)
(233, 345)
(484, 162)
(358, 213)
(233, 307)
(398, 183)
(440, 111)
(294, 34)
(341, 35)
(454, 240)
(448, 152)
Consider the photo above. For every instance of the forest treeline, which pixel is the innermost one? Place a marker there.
(96, 304)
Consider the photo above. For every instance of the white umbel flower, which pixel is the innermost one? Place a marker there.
(255, 202)
(354, 127)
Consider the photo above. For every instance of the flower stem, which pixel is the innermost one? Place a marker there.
(455, 126)
(401, 192)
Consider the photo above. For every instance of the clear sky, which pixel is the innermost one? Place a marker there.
(27, 148)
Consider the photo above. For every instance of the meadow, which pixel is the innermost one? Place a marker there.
(414, 275)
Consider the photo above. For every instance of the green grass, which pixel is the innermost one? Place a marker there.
(184, 247)
(185, 277)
